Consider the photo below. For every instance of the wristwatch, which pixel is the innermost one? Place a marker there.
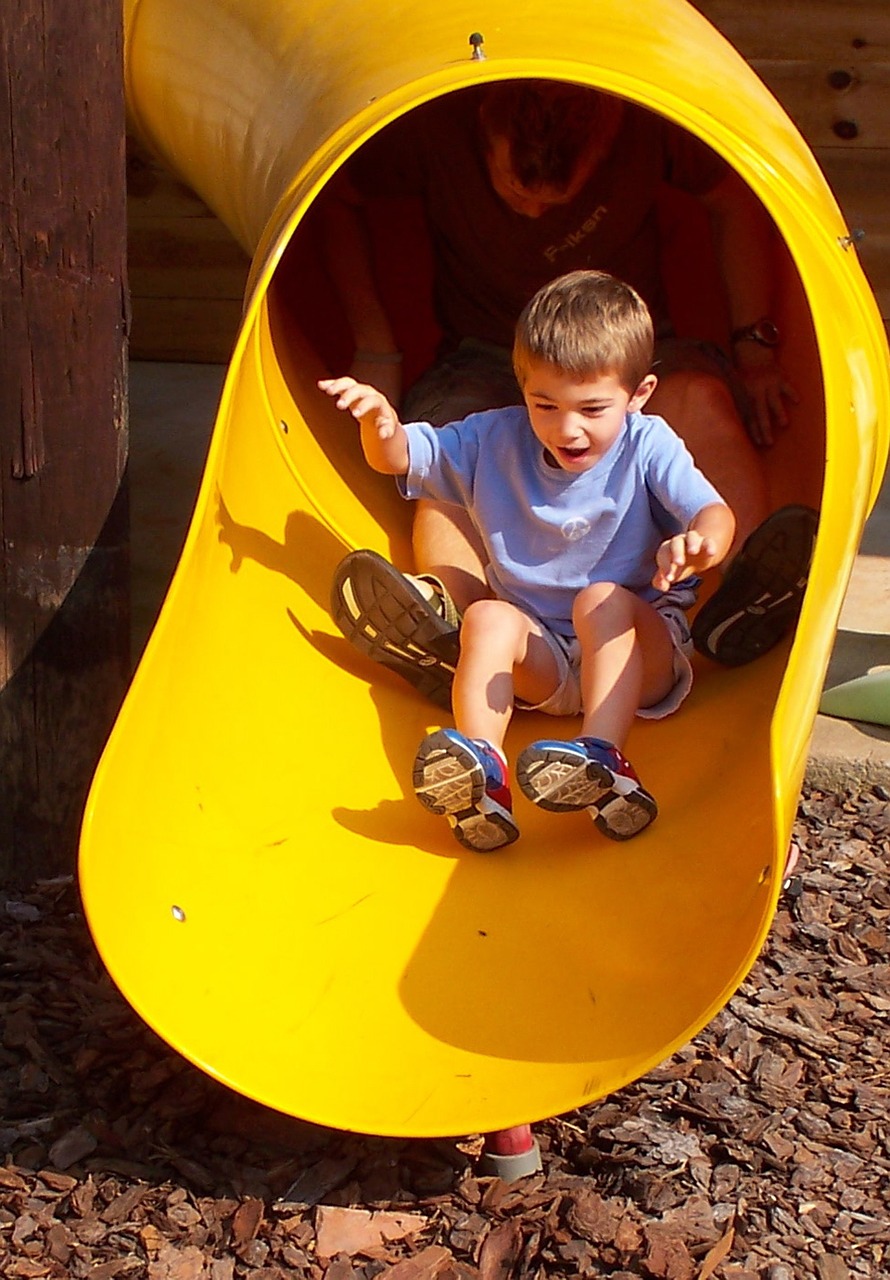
(762, 331)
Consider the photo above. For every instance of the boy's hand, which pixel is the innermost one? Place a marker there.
(367, 405)
(384, 439)
(682, 556)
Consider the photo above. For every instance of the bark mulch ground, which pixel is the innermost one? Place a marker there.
(760, 1150)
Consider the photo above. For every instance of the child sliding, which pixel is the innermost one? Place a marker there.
(588, 597)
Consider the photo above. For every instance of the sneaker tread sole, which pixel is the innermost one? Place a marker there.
(561, 780)
(564, 781)
(623, 817)
(449, 780)
(483, 832)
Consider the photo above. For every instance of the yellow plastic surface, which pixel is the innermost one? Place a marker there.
(259, 879)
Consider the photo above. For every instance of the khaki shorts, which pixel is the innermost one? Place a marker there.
(566, 698)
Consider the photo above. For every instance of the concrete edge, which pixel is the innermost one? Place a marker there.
(848, 755)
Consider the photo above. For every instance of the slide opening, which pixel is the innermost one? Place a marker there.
(304, 312)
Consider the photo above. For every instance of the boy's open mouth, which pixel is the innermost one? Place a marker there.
(573, 451)
(560, 456)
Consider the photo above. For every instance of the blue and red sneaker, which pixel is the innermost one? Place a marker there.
(587, 773)
(466, 780)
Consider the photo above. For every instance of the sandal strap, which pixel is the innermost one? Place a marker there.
(450, 611)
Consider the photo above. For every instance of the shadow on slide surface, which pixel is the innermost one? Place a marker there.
(258, 877)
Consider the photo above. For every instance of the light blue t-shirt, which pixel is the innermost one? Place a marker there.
(548, 532)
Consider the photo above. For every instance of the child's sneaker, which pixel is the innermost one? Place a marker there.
(466, 780)
(587, 773)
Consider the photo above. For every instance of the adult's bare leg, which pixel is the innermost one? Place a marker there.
(446, 544)
(475, 377)
(700, 408)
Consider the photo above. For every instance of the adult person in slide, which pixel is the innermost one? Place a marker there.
(522, 181)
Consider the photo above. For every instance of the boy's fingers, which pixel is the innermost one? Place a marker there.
(344, 397)
(699, 549)
(333, 386)
(358, 398)
(676, 557)
(669, 560)
(368, 409)
(678, 550)
(358, 401)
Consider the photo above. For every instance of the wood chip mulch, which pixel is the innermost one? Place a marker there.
(760, 1150)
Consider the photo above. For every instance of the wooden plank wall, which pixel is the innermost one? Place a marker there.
(187, 274)
(827, 61)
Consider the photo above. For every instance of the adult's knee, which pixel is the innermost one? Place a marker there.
(693, 397)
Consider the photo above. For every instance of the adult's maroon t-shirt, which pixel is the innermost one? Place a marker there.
(491, 260)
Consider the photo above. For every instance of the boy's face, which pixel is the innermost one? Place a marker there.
(578, 421)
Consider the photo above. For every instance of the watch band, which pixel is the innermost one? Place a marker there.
(762, 331)
(379, 357)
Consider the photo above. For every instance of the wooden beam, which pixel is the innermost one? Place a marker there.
(187, 273)
(859, 179)
(833, 32)
(64, 639)
(833, 105)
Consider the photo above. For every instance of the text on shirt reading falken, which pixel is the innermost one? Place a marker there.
(590, 224)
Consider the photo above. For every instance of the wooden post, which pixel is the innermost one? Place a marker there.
(64, 633)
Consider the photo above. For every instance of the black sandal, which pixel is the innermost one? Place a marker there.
(383, 615)
(760, 597)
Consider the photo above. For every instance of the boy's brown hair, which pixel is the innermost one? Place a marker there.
(586, 324)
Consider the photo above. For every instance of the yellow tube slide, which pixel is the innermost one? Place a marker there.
(258, 876)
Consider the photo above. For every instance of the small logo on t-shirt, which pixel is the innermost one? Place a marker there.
(587, 227)
(575, 529)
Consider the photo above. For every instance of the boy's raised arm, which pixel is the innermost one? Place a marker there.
(384, 441)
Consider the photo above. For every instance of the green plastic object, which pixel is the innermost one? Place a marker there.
(866, 698)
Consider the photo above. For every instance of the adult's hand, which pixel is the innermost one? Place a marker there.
(770, 392)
